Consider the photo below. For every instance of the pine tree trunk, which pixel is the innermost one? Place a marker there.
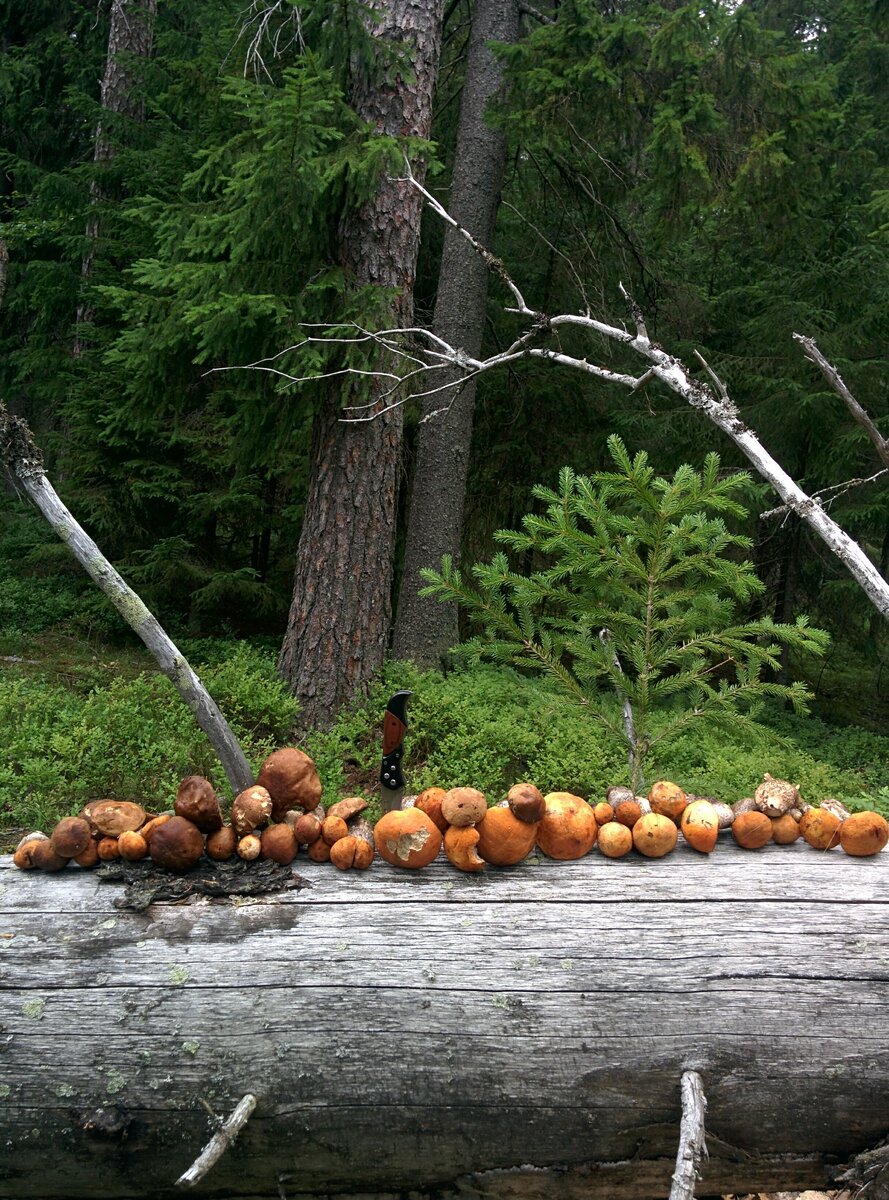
(425, 629)
(129, 40)
(339, 621)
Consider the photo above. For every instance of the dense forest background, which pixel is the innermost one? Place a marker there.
(727, 162)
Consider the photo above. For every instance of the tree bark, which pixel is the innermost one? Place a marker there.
(516, 1037)
(339, 621)
(130, 39)
(425, 629)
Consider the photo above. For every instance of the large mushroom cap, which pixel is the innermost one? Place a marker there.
(196, 800)
(71, 836)
(291, 779)
(111, 818)
(176, 845)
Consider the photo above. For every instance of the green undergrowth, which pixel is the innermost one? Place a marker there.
(118, 728)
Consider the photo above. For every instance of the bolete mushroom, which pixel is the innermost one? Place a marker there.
(132, 846)
(429, 802)
(775, 797)
(221, 844)
(196, 800)
(460, 842)
(752, 829)
(821, 828)
(250, 847)
(291, 779)
(23, 858)
(655, 835)
(615, 840)
(251, 809)
(667, 799)
(406, 837)
(348, 808)
(568, 829)
(700, 825)
(71, 837)
(111, 818)
(504, 840)
(279, 844)
(176, 845)
(526, 802)
(463, 806)
(863, 834)
(351, 853)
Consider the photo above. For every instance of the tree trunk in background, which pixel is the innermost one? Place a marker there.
(129, 39)
(339, 621)
(426, 629)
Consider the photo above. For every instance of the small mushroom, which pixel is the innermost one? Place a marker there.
(603, 812)
(752, 829)
(307, 829)
(333, 828)
(667, 800)
(568, 829)
(279, 844)
(526, 802)
(250, 847)
(291, 779)
(71, 836)
(132, 846)
(615, 840)
(460, 842)
(221, 844)
(107, 849)
(23, 858)
(319, 851)
(196, 800)
(463, 806)
(176, 845)
(251, 809)
(429, 802)
(775, 797)
(348, 808)
(90, 856)
(504, 840)
(351, 853)
(627, 811)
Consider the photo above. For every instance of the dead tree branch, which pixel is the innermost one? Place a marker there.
(833, 377)
(692, 1146)
(711, 399)
(222, 1139)
(19, 453)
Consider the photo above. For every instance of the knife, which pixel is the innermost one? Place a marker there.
(394, 729)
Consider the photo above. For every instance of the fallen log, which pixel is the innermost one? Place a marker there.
(519, 1035)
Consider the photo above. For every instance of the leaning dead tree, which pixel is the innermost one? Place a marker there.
(430, 366)
(21, 456)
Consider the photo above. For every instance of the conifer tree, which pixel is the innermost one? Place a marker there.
(636, 603)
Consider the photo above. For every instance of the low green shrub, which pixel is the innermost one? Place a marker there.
(132, 739)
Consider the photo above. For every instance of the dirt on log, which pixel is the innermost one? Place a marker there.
(515, 1035)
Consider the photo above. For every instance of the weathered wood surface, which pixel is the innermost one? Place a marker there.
(516, 1035)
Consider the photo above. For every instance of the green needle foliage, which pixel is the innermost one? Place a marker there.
(636, 603)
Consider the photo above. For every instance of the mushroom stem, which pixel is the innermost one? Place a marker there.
(222, 1139)
(692, 1146)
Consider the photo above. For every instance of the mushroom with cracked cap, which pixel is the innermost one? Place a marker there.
(407, 837)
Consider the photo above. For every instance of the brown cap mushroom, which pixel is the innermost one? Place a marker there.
(291, 779)
(221, 844)
(251, 809)
(176, 845)
(279, 844)
(527, 802)
(71, 836)
(44, 858)
(348, 808)
(111, 818)
(196, 800)
(463, 806)
(24, 851)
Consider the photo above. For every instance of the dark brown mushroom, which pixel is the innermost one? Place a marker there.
(176, 845)
(71, 836)
(196, 800)
(292, 781)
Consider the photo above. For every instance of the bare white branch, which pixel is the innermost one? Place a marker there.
(692, 1146)
(833, 377)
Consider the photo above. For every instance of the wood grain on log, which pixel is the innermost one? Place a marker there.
(519, 1034)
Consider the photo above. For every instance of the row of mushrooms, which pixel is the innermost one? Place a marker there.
(565, 826)
(282, 813)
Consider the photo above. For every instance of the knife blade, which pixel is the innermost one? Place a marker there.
(394, 729)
